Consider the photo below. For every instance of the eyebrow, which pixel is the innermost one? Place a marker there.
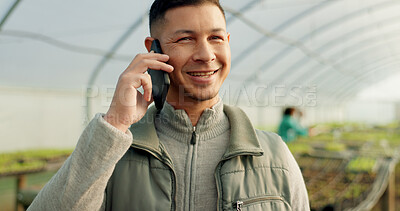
(186, 31)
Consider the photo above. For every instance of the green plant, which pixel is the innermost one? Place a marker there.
(299, 147)
(361, 164)
(29, 160)
(335, 147)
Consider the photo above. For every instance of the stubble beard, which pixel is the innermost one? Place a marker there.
(196, 94)
(204, 96)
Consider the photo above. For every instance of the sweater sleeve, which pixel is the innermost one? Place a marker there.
(81, 182)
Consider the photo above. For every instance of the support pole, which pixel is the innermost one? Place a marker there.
(21, 183)
(389, 197)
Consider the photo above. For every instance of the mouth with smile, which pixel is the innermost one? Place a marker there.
(202, 74)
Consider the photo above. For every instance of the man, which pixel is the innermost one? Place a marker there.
(197, 154)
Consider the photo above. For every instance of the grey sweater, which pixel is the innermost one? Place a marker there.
(194, 158)
(81, 181)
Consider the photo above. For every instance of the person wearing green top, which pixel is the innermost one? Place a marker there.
(289, 128)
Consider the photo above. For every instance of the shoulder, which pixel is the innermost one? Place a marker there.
(268, 140)
(271, 143)
(273, 146)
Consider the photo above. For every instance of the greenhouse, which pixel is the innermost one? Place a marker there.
(335, 62)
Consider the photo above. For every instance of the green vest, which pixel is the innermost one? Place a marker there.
(252, 174)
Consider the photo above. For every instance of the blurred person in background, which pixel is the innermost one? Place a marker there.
(195, 153)
(289, 127)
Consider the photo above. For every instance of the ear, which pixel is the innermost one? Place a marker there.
(229, 36)
(147, 43)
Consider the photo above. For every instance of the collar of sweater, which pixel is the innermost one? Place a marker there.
(176, 124)
(242, 141)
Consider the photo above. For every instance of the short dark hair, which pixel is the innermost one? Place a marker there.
(160, 7)
(288, 111)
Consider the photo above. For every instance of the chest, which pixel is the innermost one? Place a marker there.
(142, 182)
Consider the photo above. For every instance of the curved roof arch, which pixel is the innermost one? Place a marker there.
(334, 42)
(337, 46)
(320, 74)
(321, 29)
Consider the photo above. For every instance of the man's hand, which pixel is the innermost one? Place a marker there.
(128, 105)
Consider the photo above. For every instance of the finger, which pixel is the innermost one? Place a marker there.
(140, 99)
(157, 56)
(145, 64)
(155, 65)
(147, 87)
(153, 56)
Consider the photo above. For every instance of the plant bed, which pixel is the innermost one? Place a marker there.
(342, 166)
(25, 162)
(330, 183)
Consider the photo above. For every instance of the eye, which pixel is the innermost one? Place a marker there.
(184, 39)
(217, 38)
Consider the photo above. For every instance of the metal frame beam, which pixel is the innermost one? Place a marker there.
(333, 43)
(336, 86)
(321, 76)
(8, 13)
(264, 39)
(345, 91)
(366, 50)
(321, 29)
(99, 67)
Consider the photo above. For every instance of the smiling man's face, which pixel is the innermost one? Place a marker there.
(197, 43)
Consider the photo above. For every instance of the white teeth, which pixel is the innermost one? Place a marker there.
(201, 74)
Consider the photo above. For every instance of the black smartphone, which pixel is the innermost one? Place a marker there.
(159, 79)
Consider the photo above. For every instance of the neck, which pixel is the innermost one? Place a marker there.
(193, 108)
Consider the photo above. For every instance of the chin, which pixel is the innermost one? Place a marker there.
(203, 96)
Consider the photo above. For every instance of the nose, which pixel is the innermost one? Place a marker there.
(204, 52)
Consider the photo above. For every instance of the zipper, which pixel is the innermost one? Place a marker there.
(217, 178)
(193, 139)
(193, 143)
(218, 185)
(239, 204)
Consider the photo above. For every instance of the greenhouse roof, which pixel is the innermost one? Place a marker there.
(336, 48)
